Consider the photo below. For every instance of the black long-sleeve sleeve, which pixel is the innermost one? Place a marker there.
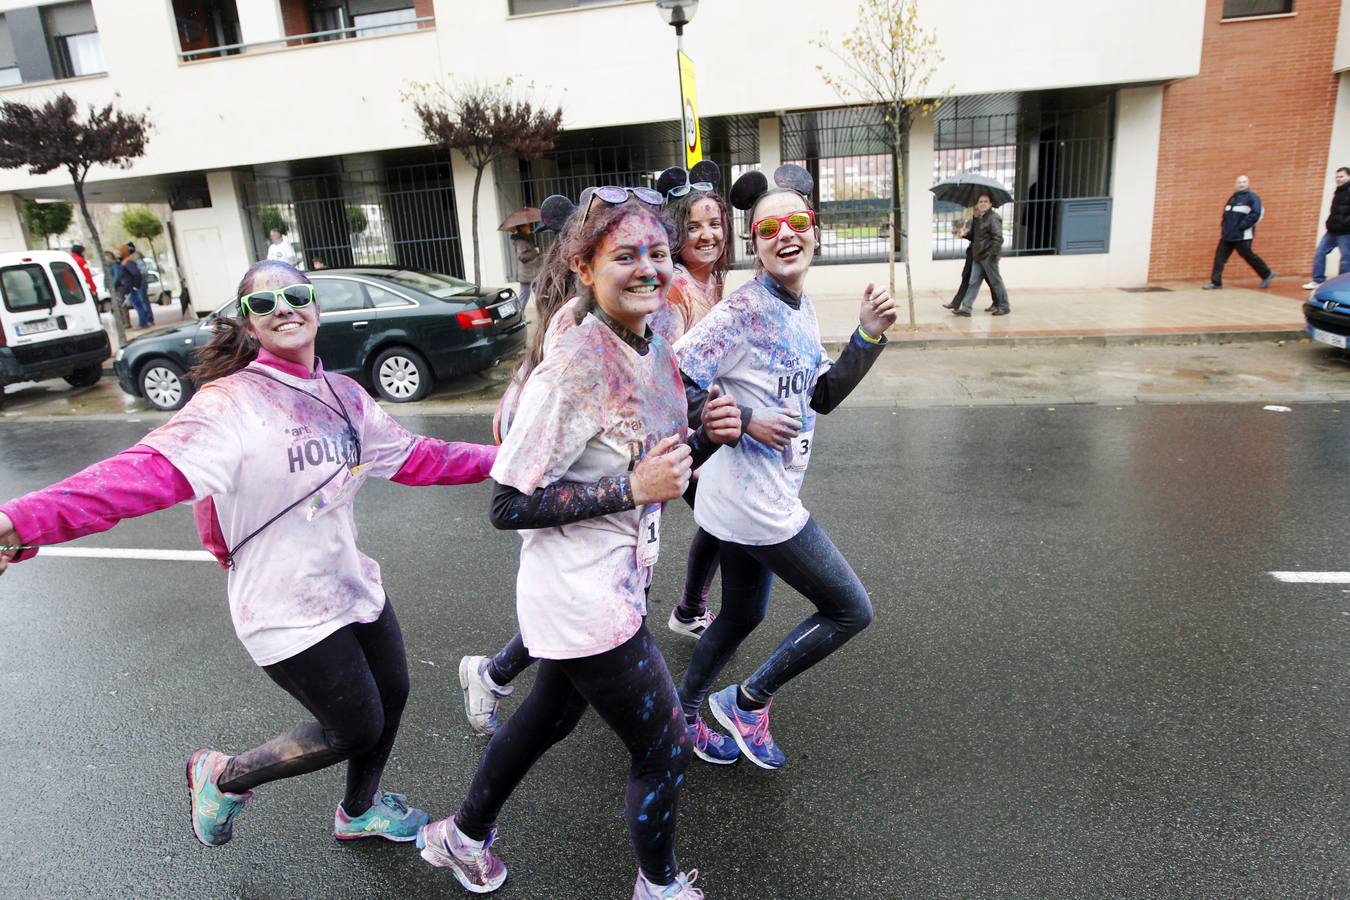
(846, 373)
(560, 503)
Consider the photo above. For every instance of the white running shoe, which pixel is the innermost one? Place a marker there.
(471, 862)
(682, 888)
(1311, 286)
(692, 629)
(481, 695)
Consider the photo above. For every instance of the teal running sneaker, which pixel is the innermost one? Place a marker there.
(389, 817)
(213, 810)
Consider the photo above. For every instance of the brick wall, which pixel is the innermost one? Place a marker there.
(1262, 106)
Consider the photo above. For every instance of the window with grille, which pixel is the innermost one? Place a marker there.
(1242, 9)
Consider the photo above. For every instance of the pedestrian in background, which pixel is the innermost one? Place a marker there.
(112, 275)
(964, 234)
(986, 248)
(528, 260)
(77, 251)
(1240, 215)
(132, 284)
(1337, 234)
(282, 249)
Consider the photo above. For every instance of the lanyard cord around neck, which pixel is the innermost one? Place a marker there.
(351, 433)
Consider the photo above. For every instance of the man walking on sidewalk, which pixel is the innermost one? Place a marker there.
(1337, 234)
(1240, 216)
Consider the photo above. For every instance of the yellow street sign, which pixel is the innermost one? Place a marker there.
(693, 143)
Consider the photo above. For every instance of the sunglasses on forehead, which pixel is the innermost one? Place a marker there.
(613, 195)
(769, 226)
(681, 190)
(264, 303)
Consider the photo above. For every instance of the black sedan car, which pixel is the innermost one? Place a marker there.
(394, 330)
(1327, 312)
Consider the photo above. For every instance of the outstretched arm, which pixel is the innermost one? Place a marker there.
(434, 461)
(876, 315)
(132, 483)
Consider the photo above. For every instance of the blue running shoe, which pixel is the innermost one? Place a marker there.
(213, 810)
(389, 817)
(472, 862)
(712, 746)
(749, 728)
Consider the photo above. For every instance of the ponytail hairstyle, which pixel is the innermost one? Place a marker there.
(233, 346)
(550, 291)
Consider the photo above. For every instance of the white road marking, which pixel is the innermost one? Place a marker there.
(118, 553)
(1313, 577)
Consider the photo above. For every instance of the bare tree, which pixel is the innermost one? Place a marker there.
(52, 136)
(484, 123)
(887, 61)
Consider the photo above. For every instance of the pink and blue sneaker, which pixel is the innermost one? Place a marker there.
(389, 817)
(213, 810)
(471, 862)
(750, 728)
(712, 746)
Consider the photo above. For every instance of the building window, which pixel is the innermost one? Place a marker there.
(848, 156)
(204, 26)
(73, 38)
(525, 7)
(1050, 149)
(390, 22)
(1242, 9)
(9, 66)
(338, 19)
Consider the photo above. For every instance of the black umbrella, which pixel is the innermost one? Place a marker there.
(966, 189)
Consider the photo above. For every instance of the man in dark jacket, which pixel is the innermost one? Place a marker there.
(1240, 216)
(986, 246)
(1337, 233)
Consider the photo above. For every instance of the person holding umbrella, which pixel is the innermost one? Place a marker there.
(528, 257)
(986, 246)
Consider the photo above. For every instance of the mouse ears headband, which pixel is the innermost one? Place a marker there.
(675, 182)
(554, 211)
(747, 190)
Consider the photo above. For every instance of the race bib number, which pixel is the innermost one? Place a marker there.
(649, 536)
(338, 492)
(798, 452)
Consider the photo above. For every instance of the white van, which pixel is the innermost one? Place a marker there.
(49, 324)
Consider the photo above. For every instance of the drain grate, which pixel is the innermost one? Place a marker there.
(1148, 289)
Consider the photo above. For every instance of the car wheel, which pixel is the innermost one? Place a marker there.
(401, 375)
(164, 384)
(85, 376)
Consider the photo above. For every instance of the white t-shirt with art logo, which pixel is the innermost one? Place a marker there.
(255, 443)
(592, 409)
(765, 352)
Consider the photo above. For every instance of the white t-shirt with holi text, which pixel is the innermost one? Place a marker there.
(257, 441)
(764, 352)
(593, 408)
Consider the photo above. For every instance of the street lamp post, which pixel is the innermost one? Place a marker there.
(677, 14)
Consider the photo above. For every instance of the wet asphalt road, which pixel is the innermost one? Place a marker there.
(1081, 680)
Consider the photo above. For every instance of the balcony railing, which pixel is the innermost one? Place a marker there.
(292, 40)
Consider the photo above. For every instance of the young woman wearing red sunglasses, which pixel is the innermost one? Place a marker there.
(762, 344)
(273, 450)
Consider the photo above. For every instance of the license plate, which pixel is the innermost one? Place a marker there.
(507, 310)
(1326, 337)
(46, 325)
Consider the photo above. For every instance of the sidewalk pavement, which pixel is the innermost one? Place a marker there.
(1157, 313)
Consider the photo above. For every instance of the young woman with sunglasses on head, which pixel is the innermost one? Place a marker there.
(763, 344)
(274, 449)
(596, 446)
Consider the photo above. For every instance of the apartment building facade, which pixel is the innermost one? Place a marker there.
(294, 111)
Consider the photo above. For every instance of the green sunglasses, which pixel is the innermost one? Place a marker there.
(264, 303)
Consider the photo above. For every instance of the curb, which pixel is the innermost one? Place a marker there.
(1104, 339)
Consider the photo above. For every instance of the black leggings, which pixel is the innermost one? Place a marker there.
(812, 566)
(699, 569)
(631, 689)
(355, 684)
